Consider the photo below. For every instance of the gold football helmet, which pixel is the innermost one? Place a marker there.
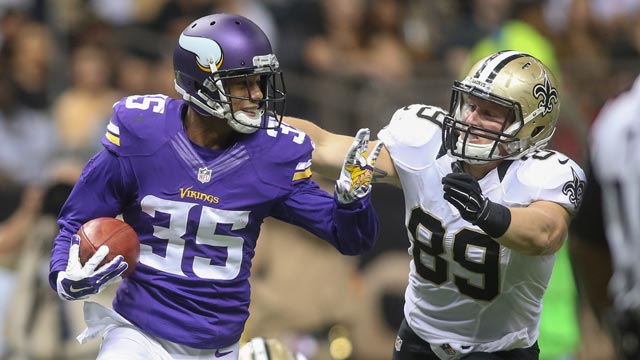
(518, 82)
(260, 348)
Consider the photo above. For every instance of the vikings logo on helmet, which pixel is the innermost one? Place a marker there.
(220, 48)
(207, 51)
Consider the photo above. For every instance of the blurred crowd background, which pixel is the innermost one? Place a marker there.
(348, 64)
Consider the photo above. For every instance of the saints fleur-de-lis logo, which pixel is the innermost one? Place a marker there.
(548, 95)
(574, 189)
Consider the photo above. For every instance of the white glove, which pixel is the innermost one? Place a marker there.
(357, 171)
(78, 282)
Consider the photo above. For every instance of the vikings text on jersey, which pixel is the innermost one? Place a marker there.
(198, 213)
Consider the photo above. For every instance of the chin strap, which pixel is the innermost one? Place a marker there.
(233, 121)
(236, 121)
(475, 150)
(211, 107)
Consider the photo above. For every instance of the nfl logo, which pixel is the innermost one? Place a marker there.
(204, 175)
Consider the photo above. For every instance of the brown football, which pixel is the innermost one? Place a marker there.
(116, 234)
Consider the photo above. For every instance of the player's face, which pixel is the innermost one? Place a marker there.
(248, 91)
(484, 114)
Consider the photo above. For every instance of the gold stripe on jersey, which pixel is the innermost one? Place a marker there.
(115, 140)
(302, 174)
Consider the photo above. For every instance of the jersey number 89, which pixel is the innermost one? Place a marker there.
(437, 271)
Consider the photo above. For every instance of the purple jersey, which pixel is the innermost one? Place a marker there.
(198, 214)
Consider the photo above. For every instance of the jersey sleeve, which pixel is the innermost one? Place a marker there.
(283, 160)
(589, 221)
(100, 191)
(351, 229)
(551, 176)
(133, 128)
(414, 135)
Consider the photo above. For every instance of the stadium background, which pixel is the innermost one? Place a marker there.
(348, 64)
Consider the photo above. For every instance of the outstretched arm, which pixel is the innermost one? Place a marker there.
(331, 148)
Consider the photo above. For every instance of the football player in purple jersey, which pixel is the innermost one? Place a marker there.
(196, 178)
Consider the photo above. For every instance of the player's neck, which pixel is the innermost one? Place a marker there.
(208, 132)
(480, 170)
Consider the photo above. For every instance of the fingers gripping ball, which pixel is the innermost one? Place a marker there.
(116, 234)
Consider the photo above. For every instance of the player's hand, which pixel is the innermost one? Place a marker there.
(357, 171)
(78, 282)
(463, 191)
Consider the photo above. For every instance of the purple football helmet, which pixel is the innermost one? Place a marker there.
(217, 48)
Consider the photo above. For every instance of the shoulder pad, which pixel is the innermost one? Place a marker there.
(413, 125)
(414, 134)
(140, 124)
(282, 156)
(555, 177)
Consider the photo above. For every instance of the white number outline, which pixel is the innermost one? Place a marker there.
(147, 100)
(286, 129)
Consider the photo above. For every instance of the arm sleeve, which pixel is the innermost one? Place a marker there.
(98, 193)
(351, 229)
(588, 224)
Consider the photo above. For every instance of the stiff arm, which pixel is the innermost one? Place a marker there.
(330, 150)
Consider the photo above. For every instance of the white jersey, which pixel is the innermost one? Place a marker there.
(464, 287)
(615, 156)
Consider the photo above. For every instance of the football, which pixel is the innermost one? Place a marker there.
(116, 234)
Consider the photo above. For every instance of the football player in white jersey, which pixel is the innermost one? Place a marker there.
(606, 230)
(487, 207)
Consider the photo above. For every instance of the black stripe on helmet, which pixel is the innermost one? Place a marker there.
(502, 64)
(499, 66)
(484, 64)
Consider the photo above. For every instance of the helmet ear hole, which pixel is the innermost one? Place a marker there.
(537, 131)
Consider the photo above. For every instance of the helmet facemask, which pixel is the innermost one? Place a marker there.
(458, 134)
(514, 81)
(219, 50)
(215, 98)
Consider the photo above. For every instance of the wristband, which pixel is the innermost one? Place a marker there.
(494, 219)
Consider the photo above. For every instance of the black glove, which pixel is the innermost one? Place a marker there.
(463, 191)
